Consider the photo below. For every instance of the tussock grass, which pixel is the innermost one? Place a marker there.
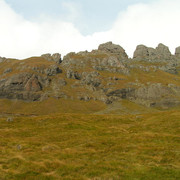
(50, 106)
(77, 146)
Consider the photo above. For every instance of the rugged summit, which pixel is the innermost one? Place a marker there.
(161, 53)
(177, 53)
(109, 47)
(54, 57)
(106, 75)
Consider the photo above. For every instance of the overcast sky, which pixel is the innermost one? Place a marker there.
(33, 27)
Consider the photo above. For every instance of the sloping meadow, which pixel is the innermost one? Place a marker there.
(76, 146)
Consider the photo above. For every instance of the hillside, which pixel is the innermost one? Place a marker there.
(96, 115)
(102, 81)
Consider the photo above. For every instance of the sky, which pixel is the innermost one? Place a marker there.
(34, 27)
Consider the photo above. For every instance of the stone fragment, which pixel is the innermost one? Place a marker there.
(9, 119)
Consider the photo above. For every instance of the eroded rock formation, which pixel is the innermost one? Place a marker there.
(105, 74)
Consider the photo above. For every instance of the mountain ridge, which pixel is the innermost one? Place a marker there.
(105, 75)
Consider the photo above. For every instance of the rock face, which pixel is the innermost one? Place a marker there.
(150, 95)
(23, 86)
(108, 57)
(91, 79)
(73, 74)
(55, 57)
(52, 70)
(27, 86)
(109, 47)
(8, 70)
(153, 93)
(161, 53)
(177, 52)
(2, 59)
(124, 93)
(107, 74)
(141, 52)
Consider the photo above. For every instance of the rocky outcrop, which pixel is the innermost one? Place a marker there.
(108, 57)
(177, 52)
(153, 95)
(114, 49)
(52, 70)
(111, 64)
(25, 86)
(171, 67)
(124, 93)
(8, 70)
(105, 74)
(141, 53)
(153, 92)
(33, 84)
(70, 74)
(55, 57)
(161, 53)
(91, 79)
(2, 59)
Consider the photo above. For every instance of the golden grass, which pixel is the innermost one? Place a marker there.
(62, 139)
(126, 107)
(50, 106)
(77, 146)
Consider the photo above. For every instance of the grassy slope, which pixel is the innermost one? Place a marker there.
(68, 146)
(49, 106)
(74, 106)
(77, 146)
(126, 107)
